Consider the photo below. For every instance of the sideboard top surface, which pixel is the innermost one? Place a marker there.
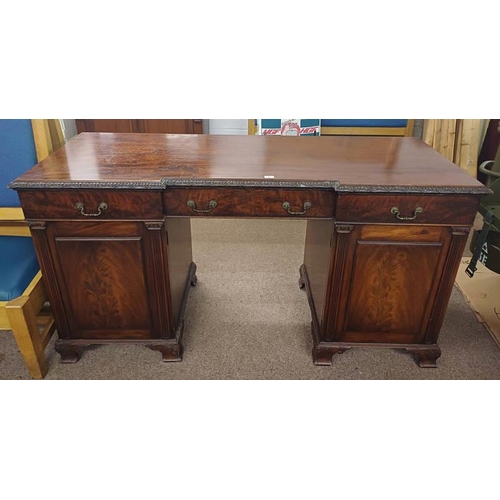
(156, 161)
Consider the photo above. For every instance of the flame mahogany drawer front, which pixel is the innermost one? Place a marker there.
(407, 209)
(245, 202)
(91, 204)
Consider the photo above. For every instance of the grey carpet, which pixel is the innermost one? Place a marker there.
(248, 319)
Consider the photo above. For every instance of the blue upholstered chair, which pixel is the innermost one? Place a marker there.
(22, 294)
(367, 127)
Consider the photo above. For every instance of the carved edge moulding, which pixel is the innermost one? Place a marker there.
(167, 182)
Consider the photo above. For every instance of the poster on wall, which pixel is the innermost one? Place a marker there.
(287, 126)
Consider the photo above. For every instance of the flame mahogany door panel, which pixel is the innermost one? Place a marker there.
(109, 281)
(107, 290)
(388, 285)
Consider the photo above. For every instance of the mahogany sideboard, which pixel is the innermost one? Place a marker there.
(387, 222)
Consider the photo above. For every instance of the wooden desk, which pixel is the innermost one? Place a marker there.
(388, 219)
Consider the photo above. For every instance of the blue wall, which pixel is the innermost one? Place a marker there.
(17, 154)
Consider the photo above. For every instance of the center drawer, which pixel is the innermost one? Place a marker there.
(244, 202)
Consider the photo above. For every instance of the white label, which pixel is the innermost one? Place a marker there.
(268, 176)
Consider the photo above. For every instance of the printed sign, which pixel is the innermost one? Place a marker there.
(291, 127)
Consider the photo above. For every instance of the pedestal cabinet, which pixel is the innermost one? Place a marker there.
(112, 280)
(388, 283)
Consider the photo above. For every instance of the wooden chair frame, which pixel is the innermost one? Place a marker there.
(30, 321)
(31, 324)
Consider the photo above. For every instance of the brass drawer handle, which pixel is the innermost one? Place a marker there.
(211, 204)
(395, 211)
(307, 206)
(102, 206)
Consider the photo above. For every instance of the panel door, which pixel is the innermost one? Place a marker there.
(389, 284)
(172, 126)
(106, 126)
(112, 276)
(177, 126)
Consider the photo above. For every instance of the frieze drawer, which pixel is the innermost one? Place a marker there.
(308, 203)
(407, 209)
(91, 204)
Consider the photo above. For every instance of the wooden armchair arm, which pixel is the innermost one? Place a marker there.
(12, 222)
(11, 214)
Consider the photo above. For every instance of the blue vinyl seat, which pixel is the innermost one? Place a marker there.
(18, 266)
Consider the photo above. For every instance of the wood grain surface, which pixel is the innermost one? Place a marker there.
(255, 202)
(386, 283)
(105, 290)
(120, 204)
(371, 278)
(444, 209)
(353, 162)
